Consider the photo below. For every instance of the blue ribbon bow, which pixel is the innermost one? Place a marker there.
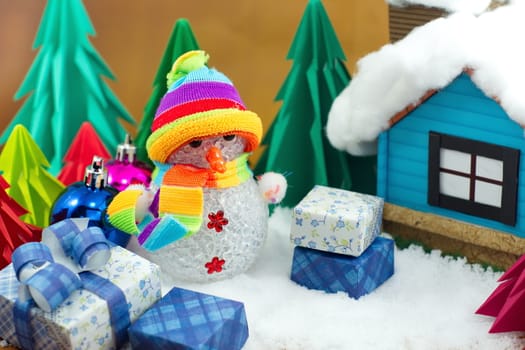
(50, 271)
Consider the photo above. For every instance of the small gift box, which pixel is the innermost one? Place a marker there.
(336, 221)
(184, 319)
(77, 316)
(333, 273)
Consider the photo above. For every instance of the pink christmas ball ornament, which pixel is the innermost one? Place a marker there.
(125, 169)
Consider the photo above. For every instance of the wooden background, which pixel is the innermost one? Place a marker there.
(248, 40)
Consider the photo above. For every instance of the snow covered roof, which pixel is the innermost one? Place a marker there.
(430, 57)
(451, 6)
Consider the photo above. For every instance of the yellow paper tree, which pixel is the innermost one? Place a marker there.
(24, 167)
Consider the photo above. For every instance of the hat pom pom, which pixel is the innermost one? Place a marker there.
(187, 62)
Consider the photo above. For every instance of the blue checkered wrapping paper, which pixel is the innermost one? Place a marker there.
(9, 292)
(83, 321)
(184, 319)
(334, 273)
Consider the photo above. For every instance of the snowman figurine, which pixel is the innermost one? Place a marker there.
(205, 217)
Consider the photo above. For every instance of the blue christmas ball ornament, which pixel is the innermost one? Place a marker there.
(89, 199)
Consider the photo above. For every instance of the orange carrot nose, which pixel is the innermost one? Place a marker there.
(214, 158)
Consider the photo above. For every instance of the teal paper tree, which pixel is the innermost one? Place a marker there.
(180, 41)
(65, 85)
(296, 143)
(24, 167)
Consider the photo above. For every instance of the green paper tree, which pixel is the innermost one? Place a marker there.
(65, 85)
(24, 167)
(296, 144)
(180, 41)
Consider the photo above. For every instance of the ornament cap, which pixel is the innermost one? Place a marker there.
(96, 175)
(127, 151)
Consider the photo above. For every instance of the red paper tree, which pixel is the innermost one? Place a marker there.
(13, 231)
(507, 301)
(85, 145)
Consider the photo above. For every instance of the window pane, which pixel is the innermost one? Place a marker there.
(454, 160)
(487, 193)
(454, 186)
(489, 168)
(485, 186)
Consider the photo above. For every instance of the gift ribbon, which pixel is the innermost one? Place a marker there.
(21, 315)
(117, 304)
(47, 283)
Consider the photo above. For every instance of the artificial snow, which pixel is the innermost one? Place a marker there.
(471, 6)
(428, 303)
(430, 57)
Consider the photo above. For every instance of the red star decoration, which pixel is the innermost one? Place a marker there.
(217, 221)
(215, 265)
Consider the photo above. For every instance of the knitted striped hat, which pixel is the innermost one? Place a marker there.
(200, 102)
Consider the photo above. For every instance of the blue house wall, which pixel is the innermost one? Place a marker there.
(460, 109)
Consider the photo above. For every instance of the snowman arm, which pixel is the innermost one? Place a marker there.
(272, 187)
(179, 203)
(130, 207)
(180, 215)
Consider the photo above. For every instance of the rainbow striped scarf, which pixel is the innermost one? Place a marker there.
(181, 191)
(180, 200)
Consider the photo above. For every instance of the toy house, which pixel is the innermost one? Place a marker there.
(402, 19)
(445, 113)
(405, 15)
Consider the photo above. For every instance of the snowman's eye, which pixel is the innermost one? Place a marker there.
(195, 143)
(229, 137)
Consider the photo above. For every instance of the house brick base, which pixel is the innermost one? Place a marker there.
(478, 244)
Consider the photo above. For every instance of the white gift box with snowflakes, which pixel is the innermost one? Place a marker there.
(83, 320)
(337, 221)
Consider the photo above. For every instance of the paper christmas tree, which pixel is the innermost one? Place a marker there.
(24, 167)
(180, 41)
(13, 231)
(507, 301)
(65, 85)
(296, 142)
(85, 145)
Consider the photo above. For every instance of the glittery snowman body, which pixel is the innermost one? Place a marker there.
(209, 215)
(234, 222)
(220, 249)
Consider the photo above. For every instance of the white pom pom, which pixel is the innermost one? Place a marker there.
(139, 187)
(143, 201)
(272, 186)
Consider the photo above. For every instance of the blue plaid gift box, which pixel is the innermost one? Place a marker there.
(184, 319)
(333, 273)
(83, 320)
(336, 221)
